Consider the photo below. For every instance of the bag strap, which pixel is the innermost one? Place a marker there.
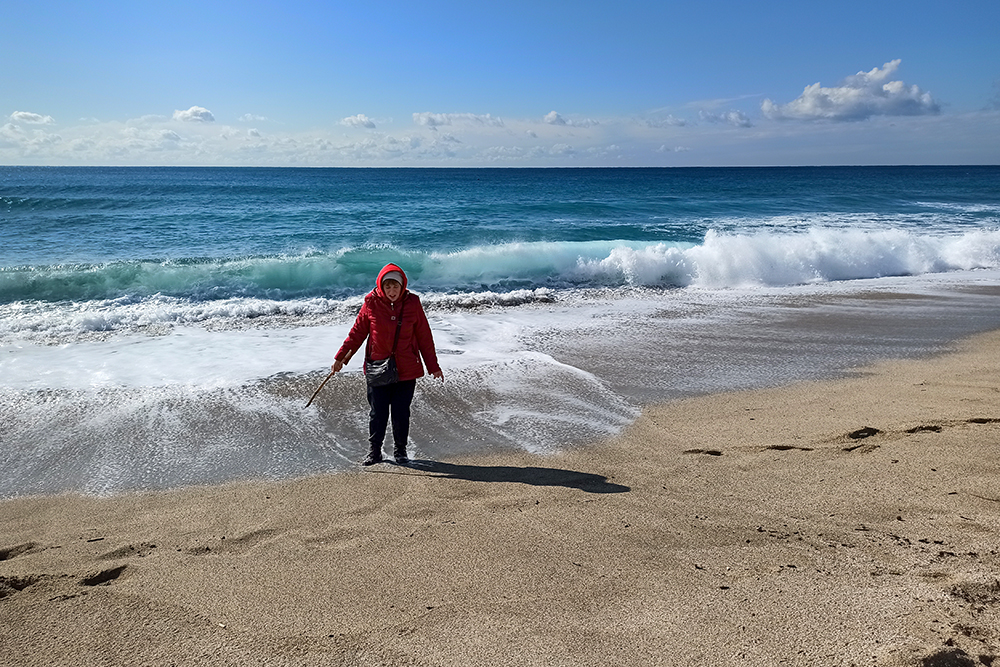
(399, 325)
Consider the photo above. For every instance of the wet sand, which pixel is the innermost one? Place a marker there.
(845, 522)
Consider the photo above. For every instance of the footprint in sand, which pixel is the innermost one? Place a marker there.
(129, 550)
(234, 545)
(949, 657)
(20, 550)
(103, 577)
(869, 431)
(11, 585)
(930, 428)
(861, 434)
(977, 592)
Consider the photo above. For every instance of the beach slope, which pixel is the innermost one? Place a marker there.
(846, 522)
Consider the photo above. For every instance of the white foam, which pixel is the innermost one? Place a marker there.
(193, 355)
(524, 273)
(200, 406)
(197, 357)
(187, 356)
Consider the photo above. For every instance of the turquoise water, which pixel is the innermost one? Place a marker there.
(164, 326)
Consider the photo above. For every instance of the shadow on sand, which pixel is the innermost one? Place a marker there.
(532, 475)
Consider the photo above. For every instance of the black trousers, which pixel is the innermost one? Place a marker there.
(390, 400)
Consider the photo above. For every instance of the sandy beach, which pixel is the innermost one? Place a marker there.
(845, 522)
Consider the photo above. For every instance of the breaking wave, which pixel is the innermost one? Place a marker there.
(720, 261)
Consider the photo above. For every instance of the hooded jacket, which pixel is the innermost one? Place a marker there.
(377, 322)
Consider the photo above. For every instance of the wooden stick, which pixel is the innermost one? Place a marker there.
(316, 393)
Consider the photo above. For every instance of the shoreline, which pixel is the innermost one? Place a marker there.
(154, 413)
(844, 521)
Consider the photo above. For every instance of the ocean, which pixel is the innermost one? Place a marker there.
(164, 327)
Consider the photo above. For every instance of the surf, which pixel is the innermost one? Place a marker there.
(720, 261)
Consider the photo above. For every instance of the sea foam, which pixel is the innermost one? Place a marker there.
(61, 302)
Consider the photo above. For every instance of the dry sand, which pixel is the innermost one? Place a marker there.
(755, 528)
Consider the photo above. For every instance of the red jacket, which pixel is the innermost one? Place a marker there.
(377, 323)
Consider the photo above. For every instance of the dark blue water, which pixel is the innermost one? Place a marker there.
(93, 215)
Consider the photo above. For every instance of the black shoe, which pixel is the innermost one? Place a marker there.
(402, 460)
(372, 459)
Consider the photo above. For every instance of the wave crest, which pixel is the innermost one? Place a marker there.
(720, 261)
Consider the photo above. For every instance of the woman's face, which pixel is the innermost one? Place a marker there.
(392, 289)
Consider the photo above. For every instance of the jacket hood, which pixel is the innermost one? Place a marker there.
(387, 269)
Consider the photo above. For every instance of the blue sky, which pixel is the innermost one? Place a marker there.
(434, 83)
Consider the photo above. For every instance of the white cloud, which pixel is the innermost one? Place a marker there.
(82, 145)
(428, 119)
(503, 153)
(253, 132)
(148, 119)
(553, 118)
(31, 118)
(431, 119)
(669, 121)
(195, 114)
(30, 143)
(360, 120)
(252, 118)
(861, 96)
(604, 151)
(734, 118)
(10, 136)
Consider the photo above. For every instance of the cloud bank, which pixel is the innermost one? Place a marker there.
(859, 97)
(657, 137)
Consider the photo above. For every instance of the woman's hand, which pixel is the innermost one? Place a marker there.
(337, 365)
(439, 375)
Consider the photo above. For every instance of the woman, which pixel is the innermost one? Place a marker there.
(378, 322)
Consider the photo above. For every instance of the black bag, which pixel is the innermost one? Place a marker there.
(380, 372)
